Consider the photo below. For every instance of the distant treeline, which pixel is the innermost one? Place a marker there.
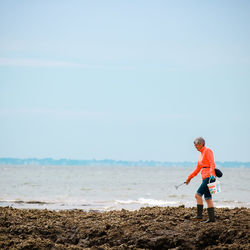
(109, 162)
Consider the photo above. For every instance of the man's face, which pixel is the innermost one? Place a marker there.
(198, 146)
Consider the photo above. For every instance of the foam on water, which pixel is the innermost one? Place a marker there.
(151, 202)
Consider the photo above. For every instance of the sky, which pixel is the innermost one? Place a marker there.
(124, 80)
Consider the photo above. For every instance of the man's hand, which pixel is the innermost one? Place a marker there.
(187, 181)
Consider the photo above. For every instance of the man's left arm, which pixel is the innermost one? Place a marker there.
(210, 157)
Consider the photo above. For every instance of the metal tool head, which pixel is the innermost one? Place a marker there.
(177, 186)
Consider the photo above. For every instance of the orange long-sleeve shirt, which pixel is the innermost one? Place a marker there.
(205, 164)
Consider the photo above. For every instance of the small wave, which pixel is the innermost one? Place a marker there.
(231, 204)
(178, 196)
(51, 202)
(38, 202)
(232, 201)
(30, 184)
(26, 202)
(143, 201)
(85, 189)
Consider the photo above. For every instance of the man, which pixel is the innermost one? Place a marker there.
(206, 165)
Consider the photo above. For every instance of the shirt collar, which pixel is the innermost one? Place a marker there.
(202, 150)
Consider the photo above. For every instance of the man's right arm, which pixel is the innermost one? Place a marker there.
(193, 174)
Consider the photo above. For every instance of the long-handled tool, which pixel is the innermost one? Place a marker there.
(177, 186)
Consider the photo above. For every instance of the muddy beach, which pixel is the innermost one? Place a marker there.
(147, 228)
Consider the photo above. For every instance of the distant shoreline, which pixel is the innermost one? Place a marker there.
(110, 162)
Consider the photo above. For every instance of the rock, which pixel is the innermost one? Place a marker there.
(146, 228)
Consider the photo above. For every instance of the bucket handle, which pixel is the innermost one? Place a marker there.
(210, 180)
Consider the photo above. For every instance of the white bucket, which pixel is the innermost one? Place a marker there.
(214, 187)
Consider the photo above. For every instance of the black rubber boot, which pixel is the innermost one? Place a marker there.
(199, 212)
(210, 212)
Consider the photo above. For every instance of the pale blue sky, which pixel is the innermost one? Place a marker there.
(129, 80)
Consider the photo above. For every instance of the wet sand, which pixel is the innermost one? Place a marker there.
(147, 228)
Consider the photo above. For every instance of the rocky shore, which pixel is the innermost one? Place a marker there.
(147, 228)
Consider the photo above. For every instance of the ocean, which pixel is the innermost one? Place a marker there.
(105, 188)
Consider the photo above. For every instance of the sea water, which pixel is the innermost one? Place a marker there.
(106, 188)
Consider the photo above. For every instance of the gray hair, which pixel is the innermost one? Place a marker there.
(199, 141)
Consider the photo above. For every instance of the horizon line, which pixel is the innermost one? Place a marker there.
(108, 159)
